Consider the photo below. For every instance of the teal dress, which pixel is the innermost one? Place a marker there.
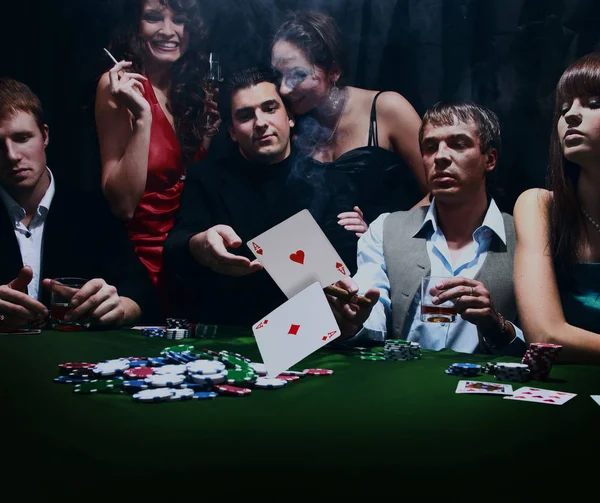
(582, 306)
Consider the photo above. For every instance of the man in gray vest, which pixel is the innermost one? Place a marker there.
(461, 236)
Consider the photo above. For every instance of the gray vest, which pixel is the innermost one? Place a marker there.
(407, 262)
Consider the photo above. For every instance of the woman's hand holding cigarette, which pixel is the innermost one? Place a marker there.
(350, 310)
(127, 89)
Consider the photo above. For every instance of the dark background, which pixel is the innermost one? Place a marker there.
(505, 54)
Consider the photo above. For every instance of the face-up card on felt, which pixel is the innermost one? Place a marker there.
(596, 398)
(295, 330)
(483, 388)
(296, 253)
(528, 394)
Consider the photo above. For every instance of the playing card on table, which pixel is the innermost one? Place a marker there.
(527, 394)
(296, 253)
(484, 388)
(596, 398)
(295, 330)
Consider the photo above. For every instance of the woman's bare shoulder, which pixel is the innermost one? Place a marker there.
(534, 199)
(389, 103)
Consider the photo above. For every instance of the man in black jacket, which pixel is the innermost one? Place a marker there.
(49, 231)
(231, 199)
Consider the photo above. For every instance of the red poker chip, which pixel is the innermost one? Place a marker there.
(139, 372)
(545, 345)
(318, 372)
(76, 365)
(227, 389)
(287, 377)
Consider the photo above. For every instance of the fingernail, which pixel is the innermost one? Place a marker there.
(435, 300)
(74, 302)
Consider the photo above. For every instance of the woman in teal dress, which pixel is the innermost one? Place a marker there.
(557, 259)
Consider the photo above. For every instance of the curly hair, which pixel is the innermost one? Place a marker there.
(580, 80)
(186, 98)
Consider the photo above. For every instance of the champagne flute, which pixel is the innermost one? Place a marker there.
(211, 82)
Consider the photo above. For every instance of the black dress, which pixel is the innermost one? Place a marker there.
(371, 177)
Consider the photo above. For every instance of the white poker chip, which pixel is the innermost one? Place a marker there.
(205, 367)
(111, 367)
(209, 378)
(170, 369)
(153, 395)
(259, 368)
(165, 380)
(269, 382)
(182, 394)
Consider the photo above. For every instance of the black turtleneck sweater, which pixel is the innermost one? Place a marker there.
(250, 198)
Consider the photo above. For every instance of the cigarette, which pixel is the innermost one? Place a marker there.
(110, 56)
(345, 295)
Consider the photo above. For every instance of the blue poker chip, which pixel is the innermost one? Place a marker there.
(174, 357)
(466, 366)
(135, 385)
(153, 332)
(138, 363)
(204, 395)
(70, 380)
(187, 356)
(157, 361)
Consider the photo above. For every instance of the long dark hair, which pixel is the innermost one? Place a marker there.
(318, 36)
(186, 98)
(581, 79)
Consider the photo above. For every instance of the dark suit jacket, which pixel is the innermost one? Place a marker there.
(250, 198)
(81, 239)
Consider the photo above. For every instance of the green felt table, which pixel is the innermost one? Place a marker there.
(367, 421)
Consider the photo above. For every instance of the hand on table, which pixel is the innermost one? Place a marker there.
(353, 221)
(17, 309)
(209, 248)
(351, 317)
(96, 300)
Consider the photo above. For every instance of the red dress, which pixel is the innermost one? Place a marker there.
(155, 214)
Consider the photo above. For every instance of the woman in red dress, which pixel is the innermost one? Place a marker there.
(149, 111)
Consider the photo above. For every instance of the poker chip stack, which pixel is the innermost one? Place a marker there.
(153, 332)
(463, 369)
(539, 359)
(401, 350)
(518, 372)
(181, 372)
(177, 328)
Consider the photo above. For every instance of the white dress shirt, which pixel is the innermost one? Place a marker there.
(461, 335)
(30, 239)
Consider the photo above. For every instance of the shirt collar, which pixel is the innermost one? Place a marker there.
(493, 220)
(15, 208)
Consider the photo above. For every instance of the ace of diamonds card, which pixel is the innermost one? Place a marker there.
(295, 330)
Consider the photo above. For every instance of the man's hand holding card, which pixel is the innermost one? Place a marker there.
(209, 248)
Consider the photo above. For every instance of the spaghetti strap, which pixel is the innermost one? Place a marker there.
(373, 131)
